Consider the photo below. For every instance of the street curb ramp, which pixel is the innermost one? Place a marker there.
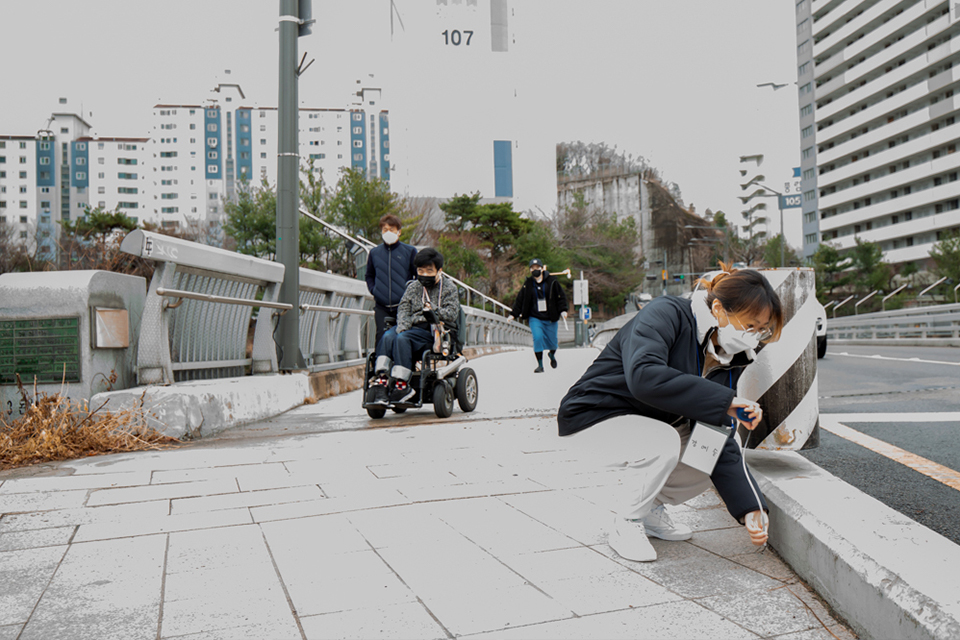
(887, 575)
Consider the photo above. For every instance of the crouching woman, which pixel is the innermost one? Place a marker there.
(676, 363)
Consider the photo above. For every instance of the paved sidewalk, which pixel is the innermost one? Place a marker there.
(483, 526)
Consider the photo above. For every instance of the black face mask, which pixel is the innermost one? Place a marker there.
(427, 281)
(536, 273)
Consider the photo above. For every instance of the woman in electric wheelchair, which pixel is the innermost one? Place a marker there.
(429, 321)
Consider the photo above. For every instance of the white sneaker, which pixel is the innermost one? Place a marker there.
(659, 525)
(629, 539)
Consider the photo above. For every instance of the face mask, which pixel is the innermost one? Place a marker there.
(389, 237)
(536, 273)
(733, 340)
(427, 281)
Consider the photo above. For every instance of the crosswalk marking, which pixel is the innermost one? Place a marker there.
(920, 464)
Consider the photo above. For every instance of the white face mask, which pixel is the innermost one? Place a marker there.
(733, 340)
(389, 237)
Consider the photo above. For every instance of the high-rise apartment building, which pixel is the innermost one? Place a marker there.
(878, 123)
(180, 177)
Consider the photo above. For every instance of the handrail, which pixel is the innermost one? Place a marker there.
(363, 242)
(845, 301)
(859, 302)
(883, 302)
(318, 307)
(931, 287)
(206, 297)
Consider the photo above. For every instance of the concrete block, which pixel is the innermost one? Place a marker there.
(887, 575)
(407, 620)
(24, 574)
(201, 408)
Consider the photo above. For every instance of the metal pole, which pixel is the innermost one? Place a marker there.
(288, 188)
(883, 301)
(783, 235)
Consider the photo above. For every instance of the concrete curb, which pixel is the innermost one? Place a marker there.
(201, 408)
(888, 576)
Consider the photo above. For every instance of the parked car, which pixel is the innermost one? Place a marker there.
(821, 331)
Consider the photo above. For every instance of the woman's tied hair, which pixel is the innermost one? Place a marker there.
(745, 291)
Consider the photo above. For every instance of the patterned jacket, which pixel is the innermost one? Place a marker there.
(444, 298)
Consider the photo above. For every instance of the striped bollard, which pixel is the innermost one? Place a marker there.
(783, 379)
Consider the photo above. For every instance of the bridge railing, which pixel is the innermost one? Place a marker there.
(938, 324)
(197, 315)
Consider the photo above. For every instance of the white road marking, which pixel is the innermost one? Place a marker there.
(929, 468)
(879, 357)
(942, 416)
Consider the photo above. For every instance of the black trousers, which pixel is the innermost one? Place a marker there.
(380, 315)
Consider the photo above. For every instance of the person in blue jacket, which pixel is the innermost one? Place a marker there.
(675, 363)
(389, 269)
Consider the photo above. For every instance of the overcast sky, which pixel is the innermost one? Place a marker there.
(673, 81)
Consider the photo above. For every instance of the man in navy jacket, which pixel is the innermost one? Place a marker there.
(389, 268)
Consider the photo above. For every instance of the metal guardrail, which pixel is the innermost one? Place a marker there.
(203, 335)
(196, 320)
(939, 324)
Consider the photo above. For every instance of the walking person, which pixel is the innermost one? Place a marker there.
(542, 302)
(389, 269)
(673, 365)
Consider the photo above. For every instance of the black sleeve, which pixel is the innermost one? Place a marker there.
(518, 304)
(735, 484)
(645, 353)
(371, 274)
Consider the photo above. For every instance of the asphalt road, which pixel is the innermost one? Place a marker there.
(904, 381)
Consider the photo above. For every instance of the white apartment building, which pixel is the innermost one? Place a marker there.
(878, 119)
(118, 174)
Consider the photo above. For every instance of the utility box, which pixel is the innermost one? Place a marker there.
(69, 331)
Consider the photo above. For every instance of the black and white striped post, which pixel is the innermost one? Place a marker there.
(783, 379)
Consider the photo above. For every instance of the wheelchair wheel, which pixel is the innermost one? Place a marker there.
(467, 390)
(376, 412)
(442, 399)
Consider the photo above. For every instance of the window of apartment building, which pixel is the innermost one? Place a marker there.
(807, 153)
(23, 219)
(809, 174)
(168, 154)
(358, 144)
(244, 128)
(64, 130)
(810, 216)
(169, 209)
(100, 160)
(126, 161)
(213, 196)
(100, 175)
(263, 155)
(212, 155)
(100, 146)
(358, 156)
(81, 161)
(212, 127)
(23, 189)
(193, 125)
(23, 175)
(314, 143)
(81, 175)
(44, 161)
(23, 204)
(44, 146)
(23, 159)
(212, 168)
(263, 127)
(126, 190)
(45, 204)
(169, 196)
(23, 235)
(101, 189)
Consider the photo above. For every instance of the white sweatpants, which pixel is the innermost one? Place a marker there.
(648, 452)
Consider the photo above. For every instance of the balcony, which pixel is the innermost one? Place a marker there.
(912, 202)
(885, 156)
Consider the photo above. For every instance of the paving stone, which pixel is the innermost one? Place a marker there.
(24, 575)
(219, 547)
(72, 517)
(326, 535)
(283, 630)
(484, 521)
(67, 483)
(48, 501)
(564, 511)
(405, 620)
(496, 609)
(768, 563)
(767, 612)
(241, 471)
(10, 631)
(32, 539)
(682, 619)
(162, 524)
(384, 497)
(404, 525)
(472, 490)
(579, 562)
(103, 590)
(725, 542)
(163, 491)
(693, 572)
(245, 499)
(591, 594)
(266, 608)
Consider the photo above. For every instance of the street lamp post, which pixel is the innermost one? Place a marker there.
(726, 256)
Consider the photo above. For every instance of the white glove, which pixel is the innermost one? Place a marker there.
(510, 318)
(564, 314)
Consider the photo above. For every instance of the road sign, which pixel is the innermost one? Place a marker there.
(790, 201)
(584, 313)
(581, 295)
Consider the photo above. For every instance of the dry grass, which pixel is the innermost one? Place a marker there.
(54, 428)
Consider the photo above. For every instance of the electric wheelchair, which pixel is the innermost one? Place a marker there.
(439, 375)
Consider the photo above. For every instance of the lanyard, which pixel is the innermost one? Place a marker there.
(733, 421)
(426, 296)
